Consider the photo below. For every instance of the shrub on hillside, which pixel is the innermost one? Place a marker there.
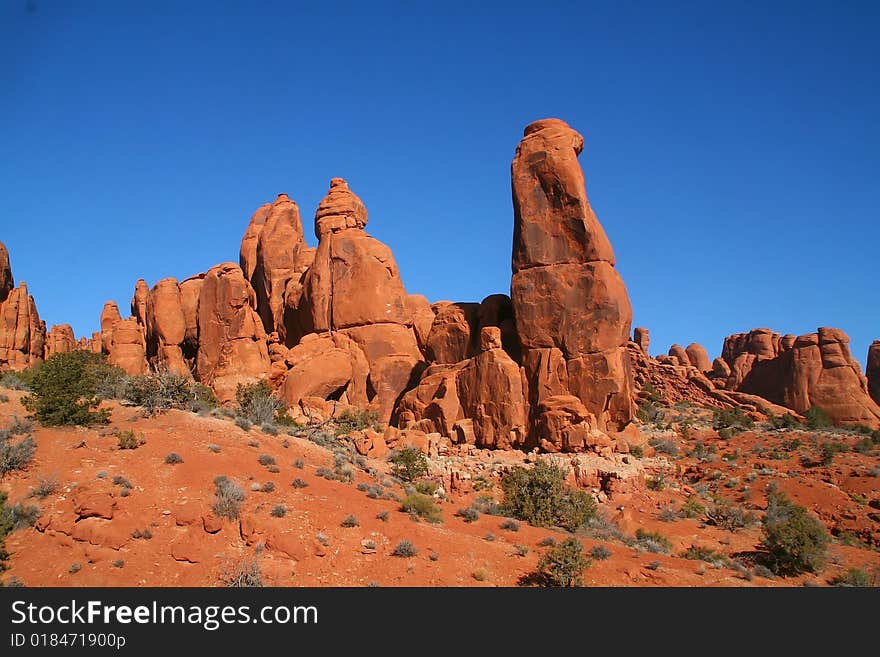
(256, 403)
(16, 455)
(356, 420)
(408, 463)
(731, 419)
(421, 506)
(562, 565)
(539, 496)
(228, 497)
(65, 388)
(795, 541)
(160, 391)
(816, 418)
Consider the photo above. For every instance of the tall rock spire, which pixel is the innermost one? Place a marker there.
(571, 307)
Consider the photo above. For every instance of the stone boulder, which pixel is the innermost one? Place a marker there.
(699, 357)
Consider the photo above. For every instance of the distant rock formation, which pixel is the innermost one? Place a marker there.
(60, 340)
(22, 332)
(812, 370)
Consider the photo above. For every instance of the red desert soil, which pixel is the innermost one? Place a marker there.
(89, 522)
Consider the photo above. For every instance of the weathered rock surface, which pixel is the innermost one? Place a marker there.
(642, 337)
(699, 357)
(872, 370)
(22, 332)
(109, 316)
(812, 370)
(128, 348)
(139, 301)
(232, 342)
(60, 340)
(166, 327)
(7, 282)
(568, 299)
(353, 287)
(281, 255)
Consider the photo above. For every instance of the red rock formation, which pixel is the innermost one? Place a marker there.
(232, 343)
(60, 340)
(679, 354)
(485, 392)
(7, 282)
(453, 333)
(127, 347)
(353, 286)
(139, 302)
(872, 370)
(166, 327)
(247, 257)
(109, 316)
(642, 337)
(571, 305)
(189, 303)
(22, 332)
(813, 370)
(281, 256)
(699, 357)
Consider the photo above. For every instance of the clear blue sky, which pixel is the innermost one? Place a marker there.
(732, 149)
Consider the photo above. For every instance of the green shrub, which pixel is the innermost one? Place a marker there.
(405, 549)
(855, 577)
(173, 458)
(816, 418)
(692, 508)
(350, 521)
(13, 381)
(160, 391)
(652, 541)
(563, 565)
(408, 463)
(422, 506)
(734, 419)
(256, 403)
(228, 497)
(729, 517)
(470, 514)
(243, 574)
(278, 511)
(539, 496)
(16, 456)
(784, 421)
(829, 450)
(65, 389)
(795, 541)
(600, 552)
(356, 420)
(128, 439)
